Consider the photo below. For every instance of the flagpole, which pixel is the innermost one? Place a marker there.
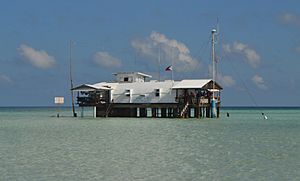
(172, 75)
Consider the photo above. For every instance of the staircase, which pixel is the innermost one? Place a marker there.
(184, 110)
(108, 109)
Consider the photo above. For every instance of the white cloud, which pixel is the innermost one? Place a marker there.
(251, 56)
(226, 48)
(297, 49)
(38, 58)
(290, 18)
(5, 79)
(172, 50)
(106, 60)
(223, 80)
(239, 47)
(259, 82)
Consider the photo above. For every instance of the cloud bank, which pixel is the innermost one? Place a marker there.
(251, 56)
(106, 60)
(290, 18)
(224, 80)
(297, 49)
(259, 82)
(5, 79)
(37, 58)
(171, 51)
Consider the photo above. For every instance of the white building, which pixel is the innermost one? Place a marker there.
(133, 95)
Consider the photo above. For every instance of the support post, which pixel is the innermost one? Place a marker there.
(213, 101)
(213, 107)
(94, 112)
(82, 111)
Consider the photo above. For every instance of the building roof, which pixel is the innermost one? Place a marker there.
(191, 84)
(137, 73)
(196, 84)
(88, 87)
(148, 92)
(183, 84)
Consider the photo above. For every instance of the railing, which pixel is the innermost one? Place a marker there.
(200, 101)
(90, 101)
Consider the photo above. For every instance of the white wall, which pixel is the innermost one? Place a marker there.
(144, 92)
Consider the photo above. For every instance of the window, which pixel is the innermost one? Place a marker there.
(157, 92)
(126, 79)
(158, 112)
(169, 112)
(137, 112)
(149, 112)
(192, 112)
(127, 92)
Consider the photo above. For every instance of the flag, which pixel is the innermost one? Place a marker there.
(169, 68)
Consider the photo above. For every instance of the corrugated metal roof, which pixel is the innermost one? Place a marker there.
(143, 86)
(105, 85)
(137, 73)
(191, 84)
(88, 87)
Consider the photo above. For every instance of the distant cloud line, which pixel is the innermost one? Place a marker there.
(290, 18)
(5, 79)
(174, 51)
(106, 60)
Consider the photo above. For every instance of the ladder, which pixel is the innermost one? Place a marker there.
(108, 109)
(183, 111)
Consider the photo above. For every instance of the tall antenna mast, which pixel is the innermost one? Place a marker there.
(216, 42)
(159, 63)
(71, 78)
(213, 101)
(213, 32)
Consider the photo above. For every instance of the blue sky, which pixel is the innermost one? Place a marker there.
(258, 46)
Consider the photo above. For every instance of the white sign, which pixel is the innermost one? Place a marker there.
(59, 100)
(204, 101)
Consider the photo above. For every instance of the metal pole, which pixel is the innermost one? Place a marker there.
(71, 79)
(213, 101)
(94, 111)
(159, 63)
(213, 60)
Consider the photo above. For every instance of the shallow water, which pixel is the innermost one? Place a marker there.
(35, 145)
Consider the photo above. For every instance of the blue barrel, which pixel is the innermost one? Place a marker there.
(213, 108)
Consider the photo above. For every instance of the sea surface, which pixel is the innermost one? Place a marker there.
(36, 145)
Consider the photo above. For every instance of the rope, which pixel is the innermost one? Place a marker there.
(235, 70)
(242, 81)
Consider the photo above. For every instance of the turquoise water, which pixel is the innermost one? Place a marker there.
(35, 145)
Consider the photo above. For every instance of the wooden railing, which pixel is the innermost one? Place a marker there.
(200, 101)
(90, 101)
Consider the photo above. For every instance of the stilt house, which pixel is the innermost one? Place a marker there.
(133, 94)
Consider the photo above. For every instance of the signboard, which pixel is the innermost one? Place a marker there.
(204, 101)
(59, 100)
